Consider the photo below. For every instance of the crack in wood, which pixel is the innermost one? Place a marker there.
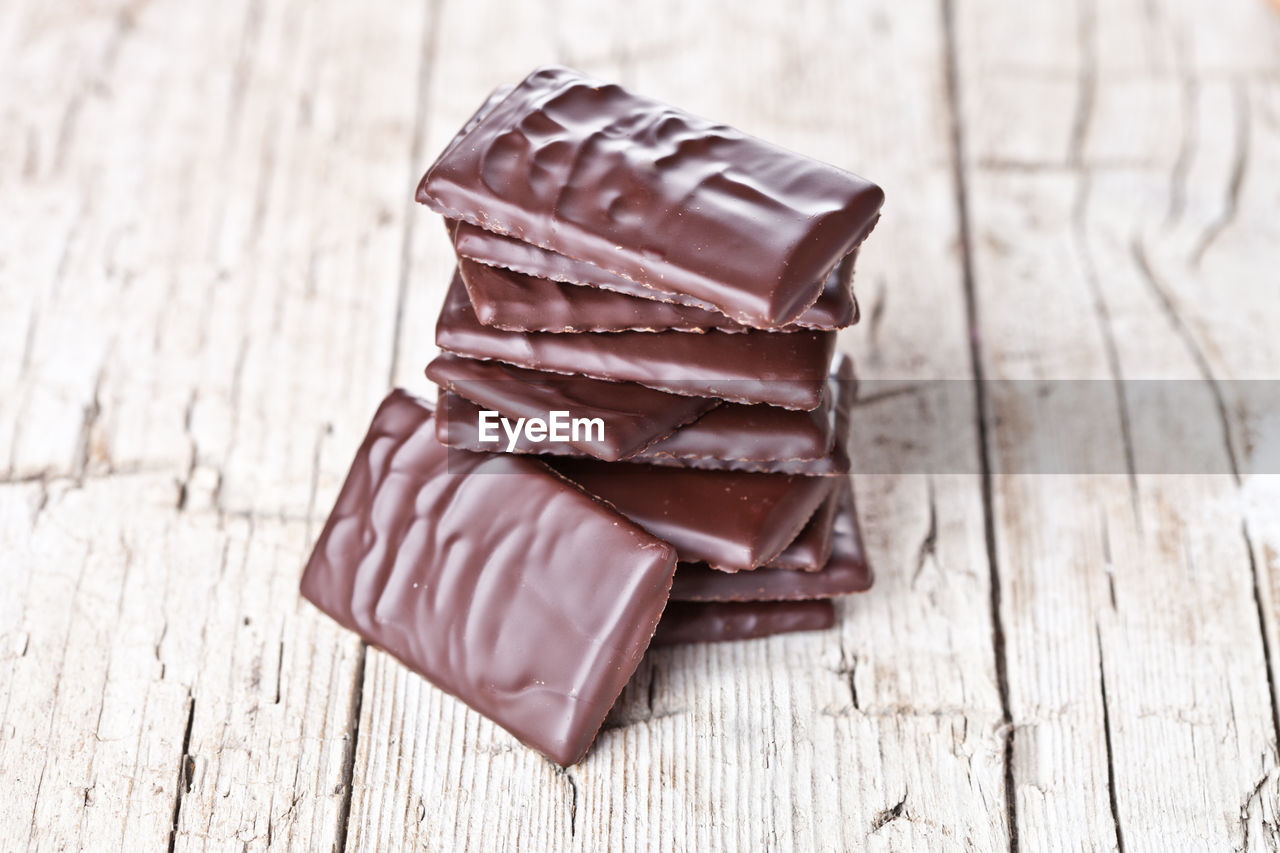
(1106, 732)
(1086, 81)
(1188, 141)
(567, 774)
(928, 549)
(1108, 564)
(1231, 203)
(887, 816)
(346, 780)
(847, 669)
(982, 405)
(573, 805)
(89, 420)
(280, 665)
(188, 413)
(1256, 574)
(164, 629)
(29, 340)
(1103, 316)
(875, 318)
(1139, 254)
(186, 771)
(853, 683)
(1246, 807)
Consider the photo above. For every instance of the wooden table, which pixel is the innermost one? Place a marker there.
(211, 270)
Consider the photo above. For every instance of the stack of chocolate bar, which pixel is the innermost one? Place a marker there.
(640, 436)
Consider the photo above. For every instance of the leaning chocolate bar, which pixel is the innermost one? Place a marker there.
(618, 418)
(666, 199)
(491, 576)
(786, 370)
(731, 436)
(458, 425)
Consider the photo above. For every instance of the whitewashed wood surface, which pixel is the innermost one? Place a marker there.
(211, 270)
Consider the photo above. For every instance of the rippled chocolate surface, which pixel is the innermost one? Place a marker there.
(491, 576)
(649, 192)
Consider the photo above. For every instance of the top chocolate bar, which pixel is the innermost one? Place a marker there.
(654, 194)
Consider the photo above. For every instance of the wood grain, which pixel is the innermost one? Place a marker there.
(1134, 631)
(212, 269)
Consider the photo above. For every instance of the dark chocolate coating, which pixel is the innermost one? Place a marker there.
(457, 427)
(515, 302)
(733, 520)
(810, 551)
(654, 194)
(516, 592)
(720, 621)
(746, 434)
(518, 287)
(732, 436)
(634, 416)
(846, 572)
(786, 370)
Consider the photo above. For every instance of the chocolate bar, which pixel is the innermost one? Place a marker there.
(787, 370)
(649, 192)
(515, 302)
(630, 417)
(518, 593)
(733, 520)
(845, 572)
(731, 436)
(721, 621)
(517, 286)
(458, 426)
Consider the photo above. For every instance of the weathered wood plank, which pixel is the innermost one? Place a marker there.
(1134, 638)
(198, 295)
